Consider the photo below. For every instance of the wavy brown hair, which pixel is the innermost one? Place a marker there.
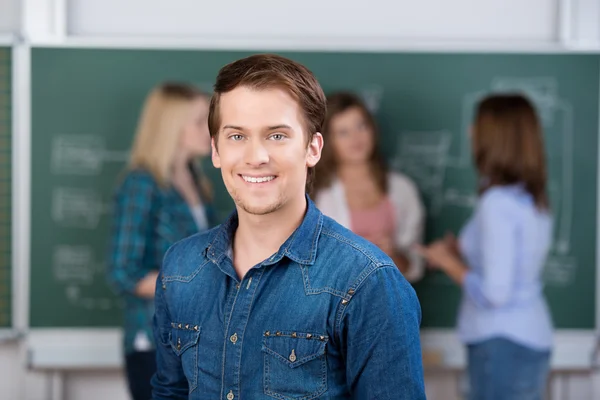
(508, 145)
(326, 169)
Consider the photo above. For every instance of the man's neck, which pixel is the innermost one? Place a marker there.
(257, 237)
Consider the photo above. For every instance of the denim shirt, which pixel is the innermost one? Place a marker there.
(147, 219)
(328, 316)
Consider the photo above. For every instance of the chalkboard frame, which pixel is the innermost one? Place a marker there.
(8, 132)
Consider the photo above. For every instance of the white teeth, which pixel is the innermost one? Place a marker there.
(258, 180)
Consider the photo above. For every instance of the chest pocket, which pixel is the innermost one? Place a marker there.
(184, 341)
(295, 365)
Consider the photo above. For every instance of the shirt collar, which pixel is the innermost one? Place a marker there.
(300, 247)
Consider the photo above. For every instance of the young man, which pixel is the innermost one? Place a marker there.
(280, 301)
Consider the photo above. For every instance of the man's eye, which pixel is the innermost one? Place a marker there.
(236, 137)
(277, 136)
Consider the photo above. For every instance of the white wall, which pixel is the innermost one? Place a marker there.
(452, 20)
(9, 371)
(558, 25)
(9, 15)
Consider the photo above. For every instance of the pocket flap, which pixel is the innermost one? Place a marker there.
(182, 339)
(295, 348)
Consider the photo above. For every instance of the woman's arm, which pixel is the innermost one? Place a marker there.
(410, 215)
(496, 224)
(131, 219)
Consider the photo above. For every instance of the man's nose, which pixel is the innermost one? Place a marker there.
(256, 153)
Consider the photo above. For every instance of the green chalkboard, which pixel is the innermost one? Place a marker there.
(86, 103)
(5, 188)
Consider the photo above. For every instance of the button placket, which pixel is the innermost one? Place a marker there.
(241, 301)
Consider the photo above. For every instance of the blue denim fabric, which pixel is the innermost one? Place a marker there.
(501, 369)
(147, 219)
(328, 316)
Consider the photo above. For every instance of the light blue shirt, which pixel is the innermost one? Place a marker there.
(505, 245)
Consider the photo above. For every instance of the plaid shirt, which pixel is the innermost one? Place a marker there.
(147, 220)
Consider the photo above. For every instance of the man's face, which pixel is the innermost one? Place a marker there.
(262, 150)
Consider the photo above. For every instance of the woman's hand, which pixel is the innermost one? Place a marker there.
(443, 254)
(452, 244)
(439, 254)
(147, 285)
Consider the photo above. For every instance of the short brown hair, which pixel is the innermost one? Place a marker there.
(264, 71)
(338, 103)
(508, 145)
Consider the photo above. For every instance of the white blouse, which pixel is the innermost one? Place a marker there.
(408, 212)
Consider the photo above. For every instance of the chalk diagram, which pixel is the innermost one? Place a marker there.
(430, 156)
(76, 267)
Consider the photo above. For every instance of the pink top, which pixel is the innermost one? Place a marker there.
(374, 222)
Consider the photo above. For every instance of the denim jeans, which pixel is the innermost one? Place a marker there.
(500, 369)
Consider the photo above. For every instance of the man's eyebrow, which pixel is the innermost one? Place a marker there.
(234, 127)
(280, 126)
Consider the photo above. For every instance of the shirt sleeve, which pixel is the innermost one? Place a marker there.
(497, 227)
(379, 334)
(169, 381)
(132, 209)
(410, 215)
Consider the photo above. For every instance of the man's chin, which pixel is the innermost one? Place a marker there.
(258, 208)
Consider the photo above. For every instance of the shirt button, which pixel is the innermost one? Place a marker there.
(234, 338)
(230, 395)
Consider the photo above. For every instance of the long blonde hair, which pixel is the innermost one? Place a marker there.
(161, 124)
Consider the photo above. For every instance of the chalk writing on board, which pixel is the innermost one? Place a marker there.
(75, 296)
(459, 198)
(423, 156)
(77, 208)
(372, 96)
(559, 270)
(76, 267)
(563, 244)
(82, 155)
(73, 264)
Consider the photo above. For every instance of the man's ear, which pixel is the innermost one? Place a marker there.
(313, 152)
(216, 159)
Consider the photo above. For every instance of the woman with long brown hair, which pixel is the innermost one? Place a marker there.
(354, 187)
(498, 260)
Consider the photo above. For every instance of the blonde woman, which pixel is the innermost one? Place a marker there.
(161, 199)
